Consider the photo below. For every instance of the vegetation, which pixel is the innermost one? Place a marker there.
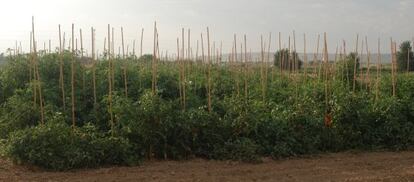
(405, 57)
(287, 60)
(298, 116)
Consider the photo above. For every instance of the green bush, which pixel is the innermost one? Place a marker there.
(18, 112)
(288, 122)
(240, 149)
(56, 146)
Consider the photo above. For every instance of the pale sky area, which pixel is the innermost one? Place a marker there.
(341, 19)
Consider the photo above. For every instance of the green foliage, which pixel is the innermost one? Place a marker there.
(241, 149)
(289, 122)
(404, 55)
(287, 59)
(56, 146)
(18, 112)
(346, 68)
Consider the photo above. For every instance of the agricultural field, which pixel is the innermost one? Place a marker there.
(64, 110)
(267, 91)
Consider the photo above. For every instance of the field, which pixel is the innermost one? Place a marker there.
(67, 110)
(378, 166)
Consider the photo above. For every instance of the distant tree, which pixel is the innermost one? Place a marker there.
(145, 58)
(346, 67)
(2, 58)
(287, 60)
(403, 55)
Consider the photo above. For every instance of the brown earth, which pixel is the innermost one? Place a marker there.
(375, 166)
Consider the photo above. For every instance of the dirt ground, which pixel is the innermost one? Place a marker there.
(375, 166)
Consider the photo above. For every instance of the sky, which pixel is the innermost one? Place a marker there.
(340, 19)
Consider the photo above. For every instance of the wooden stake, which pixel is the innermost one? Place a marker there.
(355, 64)
(142, 37)
(394, 69)
(37, 77)
(61, 75)
(378, 71)
(315, 56)
(125, 63)
(367, 76)
(305, 57)
(183, 68)
(209, 72)
(180, 73)
(262, 76)
(110, 80)
(94, 65)
(72, 81)
(246, 93)
(280, 56)
(154, 59)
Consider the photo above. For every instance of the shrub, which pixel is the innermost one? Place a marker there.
(240, 149)
(56, 146)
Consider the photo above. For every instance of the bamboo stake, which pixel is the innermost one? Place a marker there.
(368, 79)
(125, 62)
(221, 51)
(31, 67)
(367, 76)
(294, 54)
(346, 64)
(83, 72)
(133, 49)
(394, 69)
(94, 65)
(180, 73)
(113, 55)
(202, 49)
(76, 50)
(196, 56)
(142, 37)
(183, 69)
(280, 56)
(326, 71)
(154, 59)
(335, 61)
(209, 71)
(289, 61)
(38, 82)
(305, 58)
(61, 76)
(378, 71)
(236, 67)
(73, 78)
(408, 60)
(262, 69)
(81, 41)
(355, 64)
(361, 71)
(202, 56)
(315, 56)
(246, 93)
(104, 45)
(110, 80)
(267, 62)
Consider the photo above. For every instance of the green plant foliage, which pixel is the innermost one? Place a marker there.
(346, 68)
(287, 59)
(56, 146)
(290, 121)
(405, 57)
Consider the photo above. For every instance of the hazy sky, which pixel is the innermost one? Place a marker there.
(341, 19)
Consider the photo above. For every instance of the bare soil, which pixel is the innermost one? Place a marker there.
(348, 166)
